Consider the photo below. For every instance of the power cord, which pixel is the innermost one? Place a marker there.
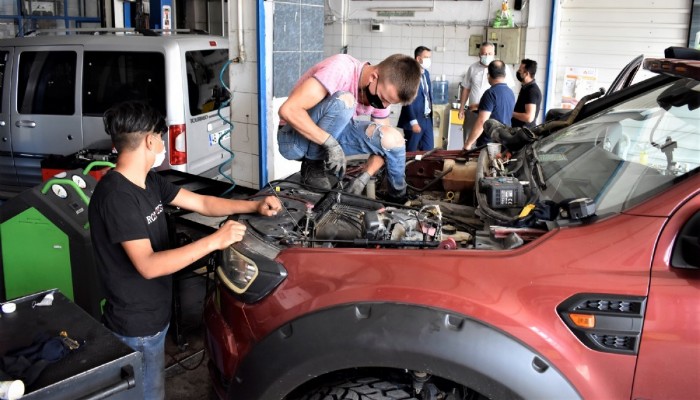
(207, 291)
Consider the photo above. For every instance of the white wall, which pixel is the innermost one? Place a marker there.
(446, 30)
(606, 35)
(245, 135)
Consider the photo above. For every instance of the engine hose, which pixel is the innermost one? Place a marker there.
(228, 131)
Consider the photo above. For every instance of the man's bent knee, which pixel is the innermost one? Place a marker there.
(348, 99)
(392, 137)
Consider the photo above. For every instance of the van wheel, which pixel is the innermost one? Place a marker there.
(362, 389)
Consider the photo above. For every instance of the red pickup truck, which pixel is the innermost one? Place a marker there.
(567, 265)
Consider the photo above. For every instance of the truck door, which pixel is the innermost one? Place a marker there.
(46, 116)
(8, 174)
(668, 366)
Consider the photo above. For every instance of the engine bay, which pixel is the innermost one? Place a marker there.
(457, 200)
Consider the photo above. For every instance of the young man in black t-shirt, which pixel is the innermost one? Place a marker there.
(130, 235)
(527, 106)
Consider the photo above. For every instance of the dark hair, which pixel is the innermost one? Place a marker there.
(128, 122)
(497, 69)
(530, 66)
(404, 73)
(419, 50)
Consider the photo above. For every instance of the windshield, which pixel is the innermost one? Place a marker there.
(625, 154)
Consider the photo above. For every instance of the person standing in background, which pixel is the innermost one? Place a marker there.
(416, 119)
(475, 83)
(527, 107)
(497, 103)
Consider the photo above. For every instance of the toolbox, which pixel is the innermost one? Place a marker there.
(101, 368)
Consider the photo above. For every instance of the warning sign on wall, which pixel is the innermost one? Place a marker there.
(167, 20)
(578, 82)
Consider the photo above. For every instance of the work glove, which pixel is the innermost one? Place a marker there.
(359, 183)
(335, 157)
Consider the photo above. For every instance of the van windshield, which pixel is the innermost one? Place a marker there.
(207, 83)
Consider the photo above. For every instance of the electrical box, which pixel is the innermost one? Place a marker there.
(507, 42)
(475, 42)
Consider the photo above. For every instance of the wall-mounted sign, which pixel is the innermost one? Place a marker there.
(167, 19)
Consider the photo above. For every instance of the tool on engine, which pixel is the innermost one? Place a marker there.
(503, 192)
(274, 192)
(578, 208)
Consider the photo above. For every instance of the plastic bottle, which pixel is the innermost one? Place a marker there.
(440, 88)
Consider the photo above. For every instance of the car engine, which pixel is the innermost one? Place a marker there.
(457, 200)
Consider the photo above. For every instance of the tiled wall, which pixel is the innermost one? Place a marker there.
(297, 42)
(449, 40)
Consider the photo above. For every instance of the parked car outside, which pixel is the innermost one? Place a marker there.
(565, 265)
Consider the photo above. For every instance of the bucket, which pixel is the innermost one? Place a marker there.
(440, 89)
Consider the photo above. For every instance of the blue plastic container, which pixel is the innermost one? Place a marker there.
(440, 89)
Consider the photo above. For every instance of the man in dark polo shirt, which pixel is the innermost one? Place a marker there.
(496, 103)
(527, 107)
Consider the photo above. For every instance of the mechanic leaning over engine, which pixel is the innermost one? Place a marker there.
(319, 126)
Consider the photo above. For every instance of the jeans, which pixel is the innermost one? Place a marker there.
(153, 367)
(335, 117)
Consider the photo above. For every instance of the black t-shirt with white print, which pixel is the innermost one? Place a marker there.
(120, 211)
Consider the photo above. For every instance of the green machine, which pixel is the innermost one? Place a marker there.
(45, 240)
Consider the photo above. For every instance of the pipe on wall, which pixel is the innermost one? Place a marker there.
(262, 93)
(551, 64)
(241, 45)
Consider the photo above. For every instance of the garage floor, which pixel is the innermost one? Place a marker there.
(187, 376)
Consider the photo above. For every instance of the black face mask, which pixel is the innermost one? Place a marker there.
(519, 76)
(373, 100)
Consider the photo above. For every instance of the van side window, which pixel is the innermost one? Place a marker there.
(111, 77)
(205, 90)
(46, 83)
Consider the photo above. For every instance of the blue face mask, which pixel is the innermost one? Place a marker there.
(486, 60)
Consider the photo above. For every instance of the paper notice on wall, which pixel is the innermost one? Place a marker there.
(167, 20)
(578, 82)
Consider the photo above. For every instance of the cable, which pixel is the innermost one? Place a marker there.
(227, 131)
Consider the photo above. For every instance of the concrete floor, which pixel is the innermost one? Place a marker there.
(187, 375)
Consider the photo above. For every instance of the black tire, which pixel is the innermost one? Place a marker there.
(362, 389)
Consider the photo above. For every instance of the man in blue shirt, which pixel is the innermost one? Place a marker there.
(497, 103)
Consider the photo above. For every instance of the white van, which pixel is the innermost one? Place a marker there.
(55, 90)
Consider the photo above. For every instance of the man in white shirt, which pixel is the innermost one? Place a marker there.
(475, 83)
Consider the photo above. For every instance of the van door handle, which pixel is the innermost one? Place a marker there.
(25, 124)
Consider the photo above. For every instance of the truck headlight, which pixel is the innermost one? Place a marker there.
(237, 271)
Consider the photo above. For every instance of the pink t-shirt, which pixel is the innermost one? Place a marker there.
(342, 72)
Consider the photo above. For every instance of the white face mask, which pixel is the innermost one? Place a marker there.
(160, 157)
(486, 60)
(425, 63)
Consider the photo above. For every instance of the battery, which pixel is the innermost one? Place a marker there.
(502, 192)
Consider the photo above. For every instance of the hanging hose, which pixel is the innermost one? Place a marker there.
(228, 131)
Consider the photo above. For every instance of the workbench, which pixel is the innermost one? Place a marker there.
(103, 367)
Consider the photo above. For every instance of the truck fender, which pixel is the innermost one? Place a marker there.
(401, 336)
